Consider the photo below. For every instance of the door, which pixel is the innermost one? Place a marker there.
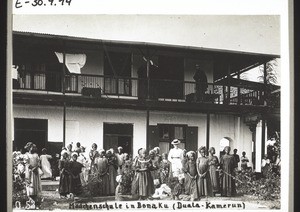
(116, 134)
(30, 130)
(192, 139)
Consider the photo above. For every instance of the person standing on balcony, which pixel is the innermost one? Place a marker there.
(201, 83)
(175, 157)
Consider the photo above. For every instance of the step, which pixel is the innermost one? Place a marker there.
(49, 185)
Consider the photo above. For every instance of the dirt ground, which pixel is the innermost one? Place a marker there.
(52, 201)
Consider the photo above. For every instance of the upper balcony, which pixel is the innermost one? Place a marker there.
(133, 75)
(155, 90)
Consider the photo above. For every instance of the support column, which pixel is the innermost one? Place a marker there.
(228, 84)
(258, 145)
(64, 92)
(239, 89)
(147, 128)
(265, 83)
(207, 130)
(260, 141)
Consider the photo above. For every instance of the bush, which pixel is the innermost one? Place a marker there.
(265, 188)
(19, 182)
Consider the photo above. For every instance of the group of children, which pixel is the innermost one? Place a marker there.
(109, 173)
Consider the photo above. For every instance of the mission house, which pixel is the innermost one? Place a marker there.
(138, 94)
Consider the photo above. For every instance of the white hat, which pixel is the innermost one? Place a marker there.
(175, 141)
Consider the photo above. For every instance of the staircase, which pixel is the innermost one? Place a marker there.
(49, 185)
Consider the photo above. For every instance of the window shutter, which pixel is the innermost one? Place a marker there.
(153, 137)
(191, 139)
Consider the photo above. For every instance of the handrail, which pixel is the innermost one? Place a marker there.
(136, 87)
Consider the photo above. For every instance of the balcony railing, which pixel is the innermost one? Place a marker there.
(155, 89)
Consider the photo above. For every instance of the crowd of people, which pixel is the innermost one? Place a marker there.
(179, 174)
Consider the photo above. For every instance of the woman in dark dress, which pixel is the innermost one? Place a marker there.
(227, 164)
(190, 171)
(112, 171)
(155, 165)
(204, 184)
(64, 181)
(75, 170)
(101, 166)
(213, 163)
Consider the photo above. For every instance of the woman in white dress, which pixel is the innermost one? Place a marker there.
(45, 164)
(32, 172)
(175, 157)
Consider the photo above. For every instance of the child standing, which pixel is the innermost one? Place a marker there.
(75, 170)
(190, 171)
(112, 170)
(145, 186)
(101, 165)
(204, 184)
(213, 163)
(164, 170)
(45, 164)
(32, 163)
(64, 180)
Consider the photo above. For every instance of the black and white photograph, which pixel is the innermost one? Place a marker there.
(127, 112)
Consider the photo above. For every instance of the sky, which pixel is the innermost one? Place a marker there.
(244, 33)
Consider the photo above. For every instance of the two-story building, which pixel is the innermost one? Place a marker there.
(136, 94)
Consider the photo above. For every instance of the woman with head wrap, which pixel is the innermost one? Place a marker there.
(127, 173)
(213, 163)
(227, 164)
(204, 184)
(112, 171)
(190, 171)
(155, 164)
(32, 171)
(101, 186)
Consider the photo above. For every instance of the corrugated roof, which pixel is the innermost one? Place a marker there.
(242, 34)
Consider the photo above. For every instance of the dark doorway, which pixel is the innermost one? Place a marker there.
(34, 130)
(116, 135)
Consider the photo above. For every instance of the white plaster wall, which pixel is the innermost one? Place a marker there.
(234, 128)
(86, 125)
(89, 121)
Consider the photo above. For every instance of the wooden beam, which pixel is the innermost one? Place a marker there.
(64, 92)
(147, 128)
(263, 138)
